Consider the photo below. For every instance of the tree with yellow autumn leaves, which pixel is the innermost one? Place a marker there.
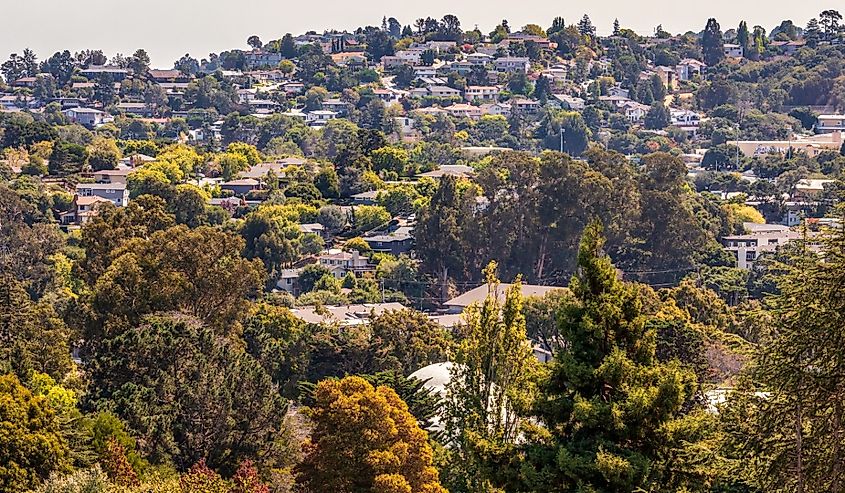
(365, 440)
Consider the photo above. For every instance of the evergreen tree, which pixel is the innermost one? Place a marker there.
(586, 27)
(616, 28)
(712, 43)
(743, 37)
(797, 430)
(611, 409)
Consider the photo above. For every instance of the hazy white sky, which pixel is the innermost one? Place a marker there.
(168, 29)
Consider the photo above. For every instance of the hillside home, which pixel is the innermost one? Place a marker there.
(116, 193)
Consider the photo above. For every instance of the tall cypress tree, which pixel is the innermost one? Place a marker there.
(712, 43)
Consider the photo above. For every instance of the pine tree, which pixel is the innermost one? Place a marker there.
(585, 26)
(610, 407)
(616, 28)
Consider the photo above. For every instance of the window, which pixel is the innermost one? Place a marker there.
(750, 256)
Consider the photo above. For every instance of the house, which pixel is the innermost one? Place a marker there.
(618, 92)
(288, 281)
(112, 175)
(383, 94)
(463, 110)
(478, 59)
(481, 93)
(456, 170)
(809, 190)
(443, 92)
(116, 193)
(365, 198)
(525, 106)
(733, 51)
(688, 68)
(567, 102)
(668, 77)
(510, 64)
(137, 109)
(498, 109)
(762, 239)
(556, 73)
(84, 208)
(241, 187)
(830, 123)
(405, 125)
(812, 146)
(318, 118)
(94, 71)
(340, 262)
(685, 118)
(479, 294)
(136, 160)
(345, 315)
(25, 82)
(395, 242)
(168, 76)
(313, 228)
(337, 105)
(293, 88)
(87, 117)
(262, 106)
(635, 112)
(259, 58)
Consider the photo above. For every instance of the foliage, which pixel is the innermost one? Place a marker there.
(364, 438)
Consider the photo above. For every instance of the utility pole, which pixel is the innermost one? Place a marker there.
(562, 139)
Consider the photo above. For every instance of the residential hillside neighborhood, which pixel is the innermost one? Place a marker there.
(418, 257)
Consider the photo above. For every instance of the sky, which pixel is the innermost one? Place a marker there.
(168, 29)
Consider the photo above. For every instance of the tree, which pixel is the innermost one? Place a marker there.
(712, 43)
(368, 217)
(743, 37)
(796, 429)
(254, 42)
(139, 62)
(608, 403)
(288, 47)
(103, 154)
(658, 117)
(492, 382)
(405, 341)
(189, 392)
(364, 439)
(31, 445)
(440, 232)
(187, 65)
(586, 27)
(829, 21)
(206, 277)
(616, 28)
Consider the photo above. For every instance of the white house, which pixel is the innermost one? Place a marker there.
(830, 123)
(88, 117)
(733, 51)
(512, 64)
(761, 238)
(689, 68)
(320, 117)
(481, 93)
(340, 262)
(116, 193)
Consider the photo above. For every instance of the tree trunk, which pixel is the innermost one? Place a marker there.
(444, 283)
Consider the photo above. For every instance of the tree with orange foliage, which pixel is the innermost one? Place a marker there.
(365, 440)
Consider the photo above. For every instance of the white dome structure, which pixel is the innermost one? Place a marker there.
(436, 377)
